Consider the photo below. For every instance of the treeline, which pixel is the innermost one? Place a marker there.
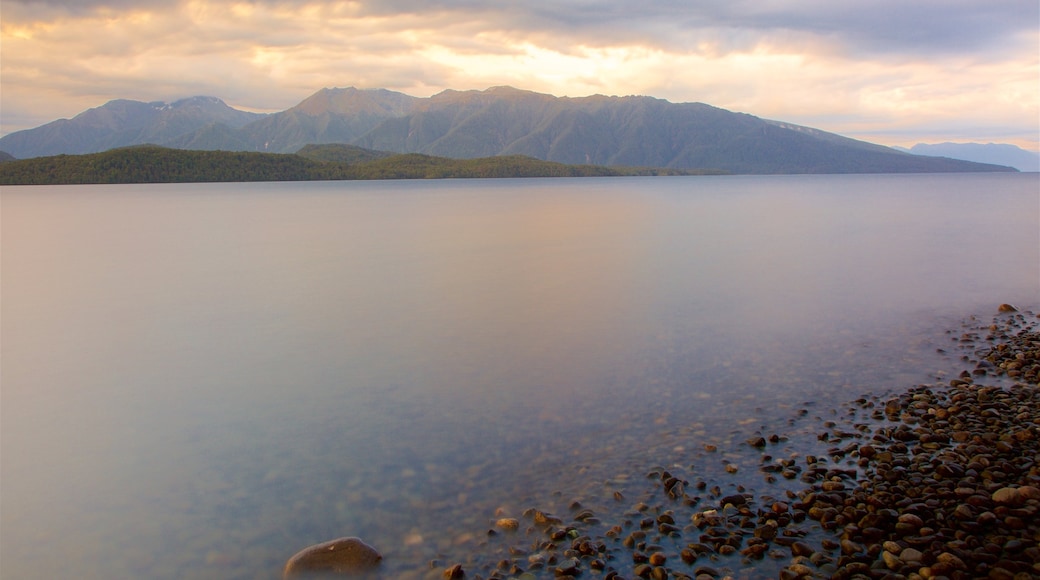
(152, 164)
(147, 164)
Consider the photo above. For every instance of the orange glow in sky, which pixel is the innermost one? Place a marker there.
(886, 71)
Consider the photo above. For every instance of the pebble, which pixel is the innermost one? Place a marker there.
(937, 481)
(1007, 496)
(1028, 492)
(911, 519)
(510, 524)
(911, 556)
(892, 561)
(340, 556)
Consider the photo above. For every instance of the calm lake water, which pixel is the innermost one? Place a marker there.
(199, 380)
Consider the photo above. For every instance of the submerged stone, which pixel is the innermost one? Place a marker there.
(509, 524)
(346, 556)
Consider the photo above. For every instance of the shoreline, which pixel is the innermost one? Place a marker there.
(938, 481)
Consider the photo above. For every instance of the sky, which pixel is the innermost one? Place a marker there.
(895, 72)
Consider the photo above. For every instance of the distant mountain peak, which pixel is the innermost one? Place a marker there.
(351, 101)
(124, 122)
(198, 100)
(635, 131)
(509, 90)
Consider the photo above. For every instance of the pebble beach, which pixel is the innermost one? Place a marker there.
(937, 481)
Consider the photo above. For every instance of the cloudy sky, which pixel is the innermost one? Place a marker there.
(895, 72)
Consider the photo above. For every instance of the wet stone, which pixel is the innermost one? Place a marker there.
(892, 561)
(1007, 496)
(799, 548)
(509, 524)
(568, 567)
(938, 481)
(347, 556)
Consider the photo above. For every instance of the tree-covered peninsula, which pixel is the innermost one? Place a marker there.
(153, 164)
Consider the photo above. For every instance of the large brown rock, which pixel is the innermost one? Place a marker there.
(345, 556)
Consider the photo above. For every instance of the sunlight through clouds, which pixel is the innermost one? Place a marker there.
(962, 70)
(580, 73)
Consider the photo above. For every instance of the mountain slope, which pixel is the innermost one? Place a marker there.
(121, 123)
(633, 131)
(328, 116)
(997, 153)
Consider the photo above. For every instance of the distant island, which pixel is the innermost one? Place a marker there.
(497, 123)
(153, 164)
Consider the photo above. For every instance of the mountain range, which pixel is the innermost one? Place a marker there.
(123, 122)
(634, 131)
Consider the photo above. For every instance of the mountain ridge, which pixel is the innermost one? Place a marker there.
(633, 131)
(124, 122)
(996, 153)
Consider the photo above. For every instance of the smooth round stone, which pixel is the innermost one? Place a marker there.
(911, 556)
(912, 520)
(891, 560)
(951, 560)
(1028, 492)
(1007, 496)
(849, 547)
(801, 570)
(986, 518)
(339, 556)
(569, 567)
(963, 511)
(801, 549)
(509, 524)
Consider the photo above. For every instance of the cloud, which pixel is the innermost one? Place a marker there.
(924, 26)
(855, 64)
(862, 26)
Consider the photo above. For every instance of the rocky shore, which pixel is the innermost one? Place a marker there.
(939, 481)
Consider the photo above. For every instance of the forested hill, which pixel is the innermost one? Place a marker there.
(152, 164)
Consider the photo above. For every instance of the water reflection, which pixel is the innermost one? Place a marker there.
(198, 380)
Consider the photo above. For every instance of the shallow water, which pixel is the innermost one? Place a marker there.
(199, 380)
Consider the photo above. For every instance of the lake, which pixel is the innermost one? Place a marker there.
(200, 380)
